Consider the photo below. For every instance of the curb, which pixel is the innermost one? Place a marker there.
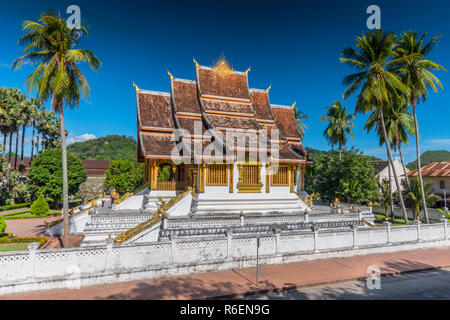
(296, 287)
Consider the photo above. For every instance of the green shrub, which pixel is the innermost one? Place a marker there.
(41, 240)
(15, 206)
(2, 225)
(39, 206)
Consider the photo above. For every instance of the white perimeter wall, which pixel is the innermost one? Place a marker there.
(62, 268)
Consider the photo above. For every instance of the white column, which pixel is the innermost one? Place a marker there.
(417, 224)
(315, 229)
(388, 231)
(277, 239)
(354, 227)
(298, 177)
(444, 221)
(32, 248)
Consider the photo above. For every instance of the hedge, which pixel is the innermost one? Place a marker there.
(41, 240)
(15, 206)
(7, 215)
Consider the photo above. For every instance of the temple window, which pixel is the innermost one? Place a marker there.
(281, 177)
(249, 177)
(217, 175)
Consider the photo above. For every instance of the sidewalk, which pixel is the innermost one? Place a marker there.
(232, 283)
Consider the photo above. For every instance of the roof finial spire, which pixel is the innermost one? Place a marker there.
(270, 87)
(137, 88)
(294, 104)
(196, 64)
(170, 75)
(246, 71)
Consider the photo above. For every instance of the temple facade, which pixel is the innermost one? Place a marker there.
(225, 142)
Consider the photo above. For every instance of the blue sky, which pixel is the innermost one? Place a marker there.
(292, 45)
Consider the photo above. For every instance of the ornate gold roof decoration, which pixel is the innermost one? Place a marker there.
(196, 64)
(293, 105)
(268, 89)
(222, 68)
(170, 75)
(246, 71)
(137, 88)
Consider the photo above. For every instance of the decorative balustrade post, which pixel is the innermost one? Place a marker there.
(242, 219)
(354, 227)
(315, 229)
(109, 252)
(444, 222)
(229, 234)
(173, 245)
(164, 223)
(32, 249)
(277, 239)
(388, 231)
(417, 224)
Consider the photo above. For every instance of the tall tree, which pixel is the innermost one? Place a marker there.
(300, 116)
(416, 72)
(339, 126)
(34, 119)
(371, 58)
(50, 43)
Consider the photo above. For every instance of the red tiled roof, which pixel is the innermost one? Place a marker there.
(261, 105)
(233, 85)
(155, 110)
(185, 96)
(227, 106)
(435, 169)
(285, 121)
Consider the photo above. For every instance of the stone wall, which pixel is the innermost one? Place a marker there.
(77, 267)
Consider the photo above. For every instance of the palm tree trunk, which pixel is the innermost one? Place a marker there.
(340, 155)
(403, 165)
(390, 189)
(419, 167)
(64, 172)
(23, 142)
(37, 144)
(17, 148)
(4, 145)
(10, 147)
(402, 204)
(32, 140)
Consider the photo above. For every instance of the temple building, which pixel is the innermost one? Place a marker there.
(220, 159)
(228, 143)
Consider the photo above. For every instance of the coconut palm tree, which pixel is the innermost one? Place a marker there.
(386, 196)
(376, 82)
(299, 118)
(416, 72)
(415, 196)
(50, 44)
(34, 119)
(339, 126)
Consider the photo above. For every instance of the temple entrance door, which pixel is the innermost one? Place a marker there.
(193, 183)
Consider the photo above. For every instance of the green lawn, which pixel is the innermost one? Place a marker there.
(379, 219)
(29, 215)
(13, 247)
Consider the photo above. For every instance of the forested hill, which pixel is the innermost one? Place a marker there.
(112, 147)
(316, 154)
(430, 156)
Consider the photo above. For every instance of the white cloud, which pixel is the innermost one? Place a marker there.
(438, 143)
(81, 138)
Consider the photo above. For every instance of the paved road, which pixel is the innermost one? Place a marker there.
(422, 285)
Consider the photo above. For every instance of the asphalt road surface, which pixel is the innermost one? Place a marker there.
(423, 285)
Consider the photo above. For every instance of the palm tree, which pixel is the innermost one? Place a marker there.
(340, 124)
(35, 118)
(400, 125)
(377, 83)
(4, 115)
(50, 43)
(415, 72)
(415, 196)
(386, 196)
(300, 116)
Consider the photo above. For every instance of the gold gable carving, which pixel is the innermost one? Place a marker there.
(222, 68)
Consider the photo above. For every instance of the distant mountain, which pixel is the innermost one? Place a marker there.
(111, 147)
(430, 156)
(317, 154)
